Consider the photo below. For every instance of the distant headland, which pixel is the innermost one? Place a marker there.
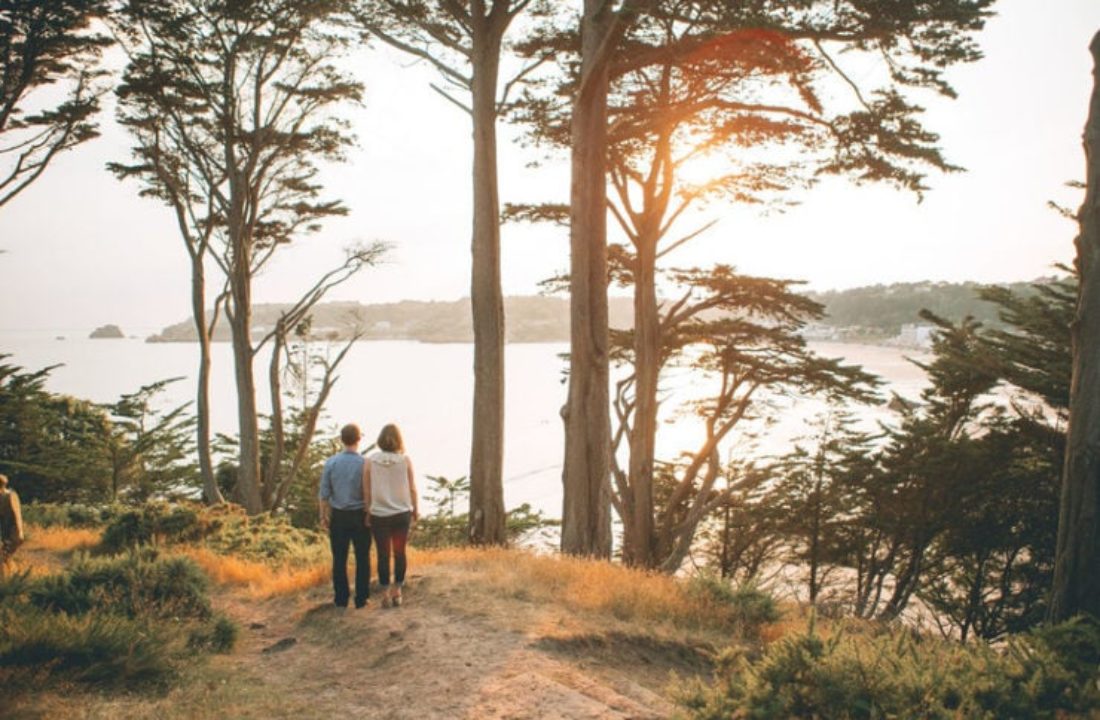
(873, 314)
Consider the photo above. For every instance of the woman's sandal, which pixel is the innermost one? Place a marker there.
(396, 601)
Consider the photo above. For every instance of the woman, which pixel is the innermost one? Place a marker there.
(389, 492)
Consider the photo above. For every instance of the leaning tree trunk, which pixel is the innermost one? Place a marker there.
(487, 522)
(211, 493)
(586, 511)
(1077, 561)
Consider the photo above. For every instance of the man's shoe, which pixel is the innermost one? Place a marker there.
(360, 604)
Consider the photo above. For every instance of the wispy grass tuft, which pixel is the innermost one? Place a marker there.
(600, 587)
(60, 539)
(262, 580)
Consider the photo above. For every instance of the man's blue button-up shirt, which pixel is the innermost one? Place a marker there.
(342, 481)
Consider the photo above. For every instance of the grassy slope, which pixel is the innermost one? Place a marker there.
(483, 634)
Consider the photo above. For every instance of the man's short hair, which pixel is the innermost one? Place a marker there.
(349, 434)
(3, 481)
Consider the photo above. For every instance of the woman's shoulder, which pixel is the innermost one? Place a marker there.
(383, 457)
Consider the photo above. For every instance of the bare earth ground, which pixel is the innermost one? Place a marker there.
(454, 650)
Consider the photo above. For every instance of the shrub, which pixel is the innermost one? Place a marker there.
(1050, 674)
(746, 605)
(218, 636)
(133, 585)
(116, 621)
(14, 587)
(71, 515)
(153, 524)
(444, 529)
(96, 647)
(261, 537)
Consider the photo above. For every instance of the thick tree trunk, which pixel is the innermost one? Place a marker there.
(487, 522)
(248, 470)
(211, 493)
(639, 539)
(1077, 565)
(586, 512)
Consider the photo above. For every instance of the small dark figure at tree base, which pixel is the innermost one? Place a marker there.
(11, 524)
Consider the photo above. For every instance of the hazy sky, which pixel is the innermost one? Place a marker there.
(82, 249)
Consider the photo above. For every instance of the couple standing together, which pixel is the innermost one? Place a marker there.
(360, 497)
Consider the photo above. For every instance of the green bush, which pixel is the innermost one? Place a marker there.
(260, 537)
(73, 515)
(153, 524)
(117, 621)
(96, 647)
(218, 636)
(745, 605)
(1050, 674)
(136, 584)
(443, 529)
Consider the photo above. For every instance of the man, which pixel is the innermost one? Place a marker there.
(344, 516)
(11, 524)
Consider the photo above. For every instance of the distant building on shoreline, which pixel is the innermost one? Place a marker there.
(914, 335)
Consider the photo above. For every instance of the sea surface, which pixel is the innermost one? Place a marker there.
(427, 390)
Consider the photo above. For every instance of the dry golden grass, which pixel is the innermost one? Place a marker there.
(61, 539)
(260, 579)
(23, 564)
(585, 585)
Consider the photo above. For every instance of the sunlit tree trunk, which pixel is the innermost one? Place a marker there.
(486, 297)
(586, 512)
(1077, 564)
(638, 547)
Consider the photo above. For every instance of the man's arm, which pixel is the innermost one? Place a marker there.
(323, 496)
(366, 493)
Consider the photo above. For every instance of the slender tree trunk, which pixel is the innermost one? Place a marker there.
(586, 512)
(211, 493)
(240, 323)
(487, 522)
(278, 444)
(1077, 561)
(639, 539)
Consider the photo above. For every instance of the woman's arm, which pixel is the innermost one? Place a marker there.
(366, 493)
(412, 489)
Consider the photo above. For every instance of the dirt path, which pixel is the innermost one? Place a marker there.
(454, 650)
(444, 654)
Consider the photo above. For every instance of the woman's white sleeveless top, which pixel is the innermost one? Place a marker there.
(389, 484)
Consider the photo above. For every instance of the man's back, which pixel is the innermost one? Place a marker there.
(342, 481)
(7, 513)
(11, 521)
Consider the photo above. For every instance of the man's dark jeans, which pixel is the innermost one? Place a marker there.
(346, 526)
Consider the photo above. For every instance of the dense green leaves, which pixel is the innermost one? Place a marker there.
(47, 49)
(862, 674)
(61, 449)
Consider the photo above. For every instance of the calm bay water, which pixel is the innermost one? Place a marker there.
(426, 389)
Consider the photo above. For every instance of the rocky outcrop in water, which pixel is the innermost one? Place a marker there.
(107, 332)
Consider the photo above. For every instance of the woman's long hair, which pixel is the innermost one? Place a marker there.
(390, 440)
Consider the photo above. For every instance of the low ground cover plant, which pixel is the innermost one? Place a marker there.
(124, 621)
(869, 672)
